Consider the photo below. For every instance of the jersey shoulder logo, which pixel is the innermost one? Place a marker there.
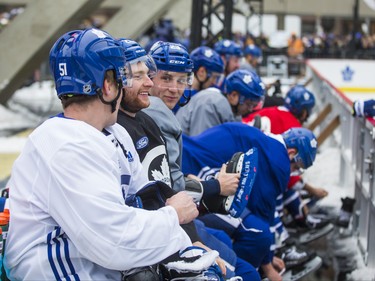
(141, 143)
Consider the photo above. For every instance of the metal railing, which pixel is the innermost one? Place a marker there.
(355, 138)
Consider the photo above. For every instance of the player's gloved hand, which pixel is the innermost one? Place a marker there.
(246, 164)
(364, 108)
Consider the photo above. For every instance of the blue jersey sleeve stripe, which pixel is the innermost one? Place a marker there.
(68, 260)
(50, 257)
(58, 256)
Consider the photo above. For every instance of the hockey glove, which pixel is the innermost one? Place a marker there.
(195, 189)
(151, 197)
(364, 108)
(246, 164)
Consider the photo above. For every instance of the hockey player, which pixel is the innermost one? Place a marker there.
(69, 219)
(231, 54)
(252, 57)
(243, 92)
(169, 84)
(145, 133)
(173, 77)
(297, 108)
(278, 157)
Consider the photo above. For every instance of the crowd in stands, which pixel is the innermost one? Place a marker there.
(8, 15)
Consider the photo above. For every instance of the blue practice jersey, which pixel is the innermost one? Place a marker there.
(206, 153)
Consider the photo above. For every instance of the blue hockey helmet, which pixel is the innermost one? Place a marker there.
(79, 60)
(298, 99)
(253, 50)
(226, 47)
(208, 58)
(304, 141)
(170, 56)
(134, 53)
(132, 49)
(247, 83)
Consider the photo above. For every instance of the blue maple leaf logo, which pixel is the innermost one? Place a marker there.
(347, 74)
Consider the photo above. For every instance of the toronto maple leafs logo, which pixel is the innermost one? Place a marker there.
(208, 53)
(247, 79)
(313, 143)
(226, 43)
(162, 175)
(347, 73)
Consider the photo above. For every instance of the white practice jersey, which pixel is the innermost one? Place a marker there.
(68, 216)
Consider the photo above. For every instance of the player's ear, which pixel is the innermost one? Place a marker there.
(109, 85)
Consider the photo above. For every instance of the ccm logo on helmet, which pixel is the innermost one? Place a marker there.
(176, 62)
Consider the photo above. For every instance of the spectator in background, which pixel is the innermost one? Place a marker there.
(295, 53)
(295, 47)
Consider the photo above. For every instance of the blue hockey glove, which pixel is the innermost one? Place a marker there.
(364, 108)
(246, 164)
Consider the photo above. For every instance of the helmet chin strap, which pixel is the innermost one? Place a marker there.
(187, 99)
(112, 103)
